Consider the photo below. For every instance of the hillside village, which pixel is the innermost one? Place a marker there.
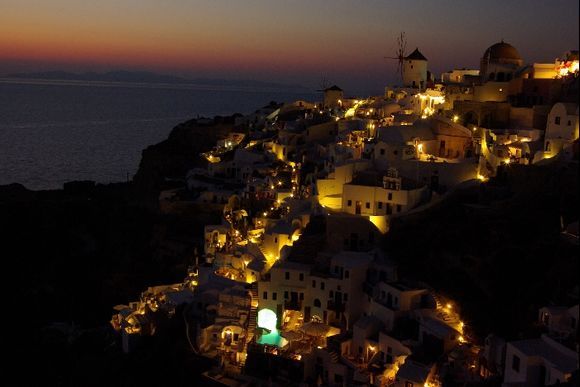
(293, 287)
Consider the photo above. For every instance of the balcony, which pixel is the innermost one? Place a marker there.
(293, 305)
(338, 307)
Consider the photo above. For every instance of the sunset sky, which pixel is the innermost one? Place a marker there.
(286, 41)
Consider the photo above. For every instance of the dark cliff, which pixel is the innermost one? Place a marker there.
(170, 159)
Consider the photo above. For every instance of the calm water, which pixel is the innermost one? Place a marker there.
(51, 132)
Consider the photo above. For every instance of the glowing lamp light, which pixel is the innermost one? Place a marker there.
(267, 319)
(420, 147)
(449, 306)
(455, 118)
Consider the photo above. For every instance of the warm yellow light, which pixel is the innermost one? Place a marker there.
(265, 214)
(455, 118)
(507, 161)
(449, 306)
(481, 177)
(420, 147)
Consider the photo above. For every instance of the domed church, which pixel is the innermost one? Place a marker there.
(499, 62)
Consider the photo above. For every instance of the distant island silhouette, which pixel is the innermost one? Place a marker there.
(150, 77)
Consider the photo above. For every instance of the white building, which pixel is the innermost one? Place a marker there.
(561, 129)
(538, 362)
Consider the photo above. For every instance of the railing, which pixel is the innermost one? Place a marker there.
(336, 306)
(293, 305)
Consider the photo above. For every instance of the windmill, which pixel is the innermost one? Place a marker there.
(324, 83)
(400, 53)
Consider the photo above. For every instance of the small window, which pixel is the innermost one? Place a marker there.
(313, 283)
(345, 298)
(322, 286)
(382, 151)
(287, 275)
(349, 203)
(286, 295)
(274, 296)
(301, 276)
(331, 294)
(569, 123)
(380, 205)
(395, 152)
(557, 120)
(301, 296)
(390, 196)
(516, 363)
(276, 240)
(398, 208)
(346, 274)
(368, 205)
(265, 295)
(317, 303)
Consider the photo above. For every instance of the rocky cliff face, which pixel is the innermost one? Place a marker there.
(172, 158)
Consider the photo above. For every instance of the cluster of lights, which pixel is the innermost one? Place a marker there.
(567, 67)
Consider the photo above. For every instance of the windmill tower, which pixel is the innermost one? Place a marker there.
(413, 67)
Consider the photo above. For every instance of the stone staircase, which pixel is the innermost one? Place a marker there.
(334, 356)
(250, 323)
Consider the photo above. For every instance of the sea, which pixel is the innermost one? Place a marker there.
(52, 132)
